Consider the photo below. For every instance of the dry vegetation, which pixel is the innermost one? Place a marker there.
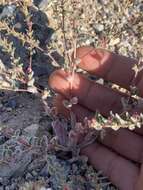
(115, 25)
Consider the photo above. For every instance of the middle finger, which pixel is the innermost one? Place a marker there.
(91, 95)
(123, 141)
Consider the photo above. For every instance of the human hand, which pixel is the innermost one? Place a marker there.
(120, 154)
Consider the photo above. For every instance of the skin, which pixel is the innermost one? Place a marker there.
(120, 154)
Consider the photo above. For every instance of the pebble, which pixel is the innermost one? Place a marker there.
(44, 4)
(141, 7)
(114, 41)
(29, 176)
(9, 109)
(34, 173)
(8, 11)
(11, 104)
(18, 25)
(99, 27)
(44, 172)
(32, 129)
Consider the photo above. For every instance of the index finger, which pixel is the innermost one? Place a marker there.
(112, 67)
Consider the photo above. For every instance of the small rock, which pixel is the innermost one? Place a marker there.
(88, 42)
(31, 129)
(34, 173)
(12, 103)
(99, 27)
(8, 11)
(44, 4)
(114, 41)
(44, 172)
(141, 7)
(18, 25)
(9, 109)
(29, 176)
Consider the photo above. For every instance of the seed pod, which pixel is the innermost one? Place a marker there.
(31, 82)
(67, 104)
(131, 127)
(74, 100)
(115, 127)
(77, 61)
(32, 89)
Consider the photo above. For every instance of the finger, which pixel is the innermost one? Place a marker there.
(139, 131)
(124, 142)
(110, 66)
(91, 95)
(120, 171)
(79, 111)
(119, 141)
